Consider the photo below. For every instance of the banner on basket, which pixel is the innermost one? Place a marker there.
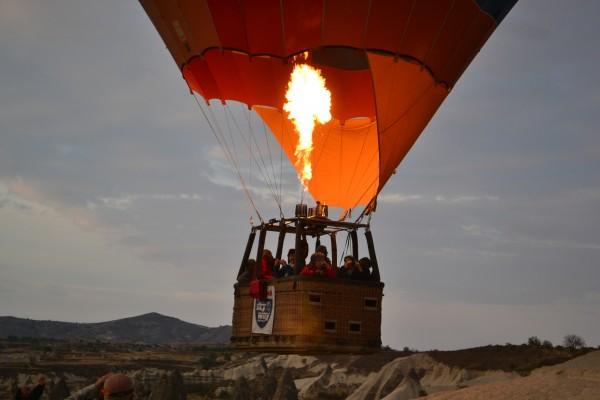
(264, 313)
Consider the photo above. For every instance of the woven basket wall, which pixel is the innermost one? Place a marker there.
(304, 305)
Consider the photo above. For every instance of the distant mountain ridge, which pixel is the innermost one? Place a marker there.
(151, 328)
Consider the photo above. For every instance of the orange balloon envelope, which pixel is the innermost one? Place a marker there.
(388, 64)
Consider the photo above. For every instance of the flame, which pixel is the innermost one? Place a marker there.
(308, 102)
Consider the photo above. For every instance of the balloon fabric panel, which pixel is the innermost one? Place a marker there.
(414, 51)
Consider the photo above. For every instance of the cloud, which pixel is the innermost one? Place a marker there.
(485, 232)
(126, 201)
(467, 253)
(418, 320)
(558, 243)
(10, 198)
(264, 182)
(494, 235)
(399, 198)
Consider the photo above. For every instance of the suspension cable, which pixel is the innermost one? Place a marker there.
(216, 131)
(262, 169)
(267, 143)
(273, 175)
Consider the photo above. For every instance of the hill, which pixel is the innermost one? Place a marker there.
(517, 358)
(151, 328)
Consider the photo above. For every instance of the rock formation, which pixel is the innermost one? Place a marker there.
(286, 388)
(59, 391)
(170, 387)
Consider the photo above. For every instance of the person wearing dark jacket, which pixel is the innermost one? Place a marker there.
(346, 270)
(364, 266)
(23, 393)
(249, 273)
(284, 269)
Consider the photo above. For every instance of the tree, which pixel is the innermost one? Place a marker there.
(534, 341)
(573, 342)
(547, 344)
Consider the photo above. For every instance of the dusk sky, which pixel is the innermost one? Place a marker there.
(115, 199)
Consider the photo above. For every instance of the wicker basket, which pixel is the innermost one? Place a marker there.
(313, 315)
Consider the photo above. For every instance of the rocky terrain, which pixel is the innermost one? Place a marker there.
(168, 372)
(151, 328)
(575, 379)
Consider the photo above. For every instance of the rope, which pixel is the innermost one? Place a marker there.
(216, 131)
(264, 170)
(344, 252)
(270, 158)
(281, 159)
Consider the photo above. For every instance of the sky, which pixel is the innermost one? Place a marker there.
(115, 199)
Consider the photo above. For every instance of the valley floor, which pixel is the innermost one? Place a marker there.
(490, 372)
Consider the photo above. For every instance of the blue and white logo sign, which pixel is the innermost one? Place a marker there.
(264, 313)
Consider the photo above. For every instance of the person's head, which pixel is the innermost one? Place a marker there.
(22, 393)
(320, 261)
(348, 261)
(317, 259)
(118, 387)
(268, 258)
(322, 249)
(365, 263)
(267, 254)
(291, 257)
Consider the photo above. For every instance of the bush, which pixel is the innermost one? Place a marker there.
(573, 342)
(534, 341)
(209, 361)
(547, 344)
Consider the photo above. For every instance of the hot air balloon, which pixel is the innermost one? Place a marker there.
(385, 68)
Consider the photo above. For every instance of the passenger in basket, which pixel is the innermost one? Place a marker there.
(267, 265)
(249, 273)
(318, 266)
(23, 393)
(349, 268)
(300, 256)
(323, 250)
(363, 273)
(310, 269)
(328, 270)
(285, 269)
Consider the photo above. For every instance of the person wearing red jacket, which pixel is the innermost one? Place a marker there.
(319, 266)
(267, 265)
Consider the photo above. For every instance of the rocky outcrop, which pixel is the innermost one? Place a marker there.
(169, 387)
(241, 390)
(59, 391)
(286, 388)
(262, 387)
(418, 375)
(335, 382)
(577, 379)
(291, 377)
(407, 389)
(392, 376)
(585, 367)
